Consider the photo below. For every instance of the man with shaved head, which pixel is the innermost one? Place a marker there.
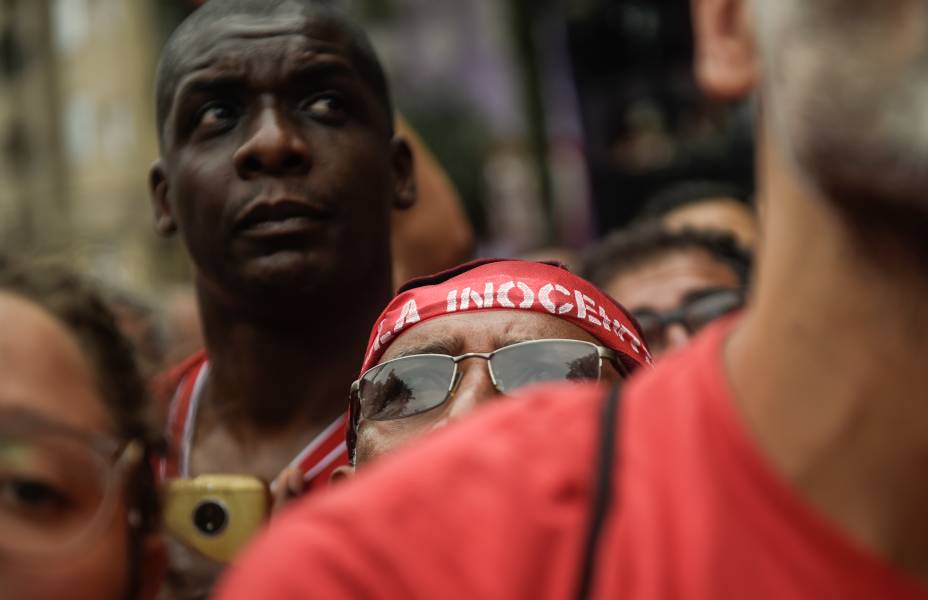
(781, 455)
(279, 169)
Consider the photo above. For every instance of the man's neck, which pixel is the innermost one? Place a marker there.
(271, 377)
(829, 369)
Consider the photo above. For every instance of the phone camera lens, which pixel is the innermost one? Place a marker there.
(210, 517)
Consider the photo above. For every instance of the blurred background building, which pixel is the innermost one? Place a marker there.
(555, 119)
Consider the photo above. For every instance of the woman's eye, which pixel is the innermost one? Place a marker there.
(30, 496)
(325, 107)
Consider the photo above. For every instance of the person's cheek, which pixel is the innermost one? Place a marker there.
(377, 438)
(100, 571)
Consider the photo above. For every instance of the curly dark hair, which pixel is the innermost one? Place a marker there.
(624, 250)
(71, 300)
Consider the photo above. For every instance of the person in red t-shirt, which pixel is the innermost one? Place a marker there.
(781, 455)
(280, 169)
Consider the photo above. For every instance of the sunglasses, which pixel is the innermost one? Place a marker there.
(411, 385)
(693, 315)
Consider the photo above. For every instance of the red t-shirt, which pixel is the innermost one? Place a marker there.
(498, 508)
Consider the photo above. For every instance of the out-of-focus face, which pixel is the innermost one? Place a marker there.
(279, 168)
(845, 84)
(455, 335)
(716, 214)
(671, 282)
(44, 376)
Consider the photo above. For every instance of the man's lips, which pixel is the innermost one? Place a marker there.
(281, 217)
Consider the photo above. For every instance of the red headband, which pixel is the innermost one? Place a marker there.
(494, 284)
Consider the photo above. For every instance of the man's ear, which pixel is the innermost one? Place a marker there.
(165, 224)
(342, 474)
(726, 63)
(404, 174)
(153, 567)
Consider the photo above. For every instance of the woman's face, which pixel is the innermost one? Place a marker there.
(45, 377)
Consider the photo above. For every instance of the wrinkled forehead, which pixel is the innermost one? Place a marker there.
(481, 332)
(237, 41)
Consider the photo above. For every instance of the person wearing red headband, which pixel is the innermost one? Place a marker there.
(451, 341)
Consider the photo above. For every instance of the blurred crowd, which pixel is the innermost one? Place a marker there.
(722, 398)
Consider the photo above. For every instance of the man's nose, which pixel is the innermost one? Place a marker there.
(274, 146)
(676, 336)
(474, 388)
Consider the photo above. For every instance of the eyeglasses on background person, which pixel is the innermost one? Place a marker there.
(410, 385)
(693, 315)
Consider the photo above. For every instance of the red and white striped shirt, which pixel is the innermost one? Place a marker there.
(326, 452)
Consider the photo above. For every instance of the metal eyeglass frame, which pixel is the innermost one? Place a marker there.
(355, 398)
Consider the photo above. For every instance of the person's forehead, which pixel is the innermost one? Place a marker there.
(281, 40)
(664, 281)
(721, 210)
(723, 214)
(486, 330)
(43, 371)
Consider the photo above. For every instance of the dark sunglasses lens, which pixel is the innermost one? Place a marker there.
(701, 312)
(405, 387)
(556, 360)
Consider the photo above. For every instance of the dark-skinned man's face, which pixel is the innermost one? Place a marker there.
(278, 165)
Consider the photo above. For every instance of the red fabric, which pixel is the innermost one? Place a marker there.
(491, 509)
(323, 455)
(317, 461)
(493, 284)
(175, 390)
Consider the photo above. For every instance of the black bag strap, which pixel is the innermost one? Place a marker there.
(602, 490)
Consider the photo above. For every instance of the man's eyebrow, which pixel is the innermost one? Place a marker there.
(703, 293)
(330, 67)
(204, 82)
(448, 345)
(502, 342)
(196, 84)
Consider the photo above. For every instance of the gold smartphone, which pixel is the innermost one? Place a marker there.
(216, 514)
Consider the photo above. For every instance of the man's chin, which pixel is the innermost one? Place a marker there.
(292, 272)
